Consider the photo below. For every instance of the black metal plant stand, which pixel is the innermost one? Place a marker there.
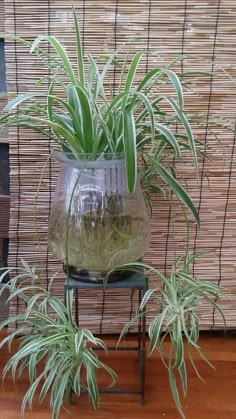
(133, 281)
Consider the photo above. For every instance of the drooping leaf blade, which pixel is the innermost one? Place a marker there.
(183, 119)
(177, 85)
(130, 150)
(177, 189)
(61, 53)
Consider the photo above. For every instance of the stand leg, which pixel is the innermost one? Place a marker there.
(139, 326)
(77, 307)
(143, 357)
(65, 291)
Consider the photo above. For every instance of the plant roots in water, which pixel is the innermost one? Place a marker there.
(98, 240)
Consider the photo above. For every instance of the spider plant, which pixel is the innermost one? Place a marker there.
(174, 331)
(48, 335)
(85, 118)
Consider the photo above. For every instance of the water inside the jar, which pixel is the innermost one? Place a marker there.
(99, 240)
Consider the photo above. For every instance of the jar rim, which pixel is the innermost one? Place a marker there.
(89, 160)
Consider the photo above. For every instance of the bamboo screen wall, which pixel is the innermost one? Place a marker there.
(164, 29)
(1, 15)
(4, 199)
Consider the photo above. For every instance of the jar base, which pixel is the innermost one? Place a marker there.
(83, 275)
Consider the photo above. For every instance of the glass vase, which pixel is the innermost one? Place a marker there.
(95, 224)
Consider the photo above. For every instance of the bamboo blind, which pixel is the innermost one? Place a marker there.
(163, 29)
(4, 200)
(3, 137)
(1, 16)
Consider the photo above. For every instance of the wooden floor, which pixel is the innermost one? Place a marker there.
(214, 400)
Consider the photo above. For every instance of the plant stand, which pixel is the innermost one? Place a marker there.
(134, 281)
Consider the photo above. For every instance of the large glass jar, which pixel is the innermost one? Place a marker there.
(95, 225)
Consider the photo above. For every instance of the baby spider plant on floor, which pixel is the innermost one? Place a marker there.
(47, 334)
(174, 331)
